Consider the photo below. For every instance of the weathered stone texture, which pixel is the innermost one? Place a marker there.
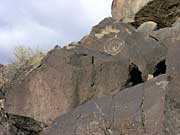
(163, 12)
(137, 110)
(172, 124)
(66, 78)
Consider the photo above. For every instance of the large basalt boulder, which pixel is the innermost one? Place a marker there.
(135, 111)
(163, 12)
(172, 123)
(66, 78)
(122, 40)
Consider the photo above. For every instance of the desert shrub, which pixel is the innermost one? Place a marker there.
(23, 60)
(26, 56)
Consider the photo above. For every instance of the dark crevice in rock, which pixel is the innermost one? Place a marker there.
(142, 114)
(92, 60)
(154, 38)
(93, 74)
(160, 68)
(76, 76)
(135, 76)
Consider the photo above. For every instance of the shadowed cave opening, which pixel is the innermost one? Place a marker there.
(160, 68)
(135, 76)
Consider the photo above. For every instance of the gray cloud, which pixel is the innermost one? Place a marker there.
(47, 23)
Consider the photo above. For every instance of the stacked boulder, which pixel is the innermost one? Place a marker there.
(117, 80)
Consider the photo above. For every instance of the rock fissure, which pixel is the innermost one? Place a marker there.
(142, 114)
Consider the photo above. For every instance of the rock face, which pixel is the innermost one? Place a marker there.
(121, 40)
(108, 83)
(126, 10)
(165, 35)
(65, 79)
(163, 12)
(134, 111)
(173, 93)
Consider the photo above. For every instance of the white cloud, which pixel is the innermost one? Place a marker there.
(45, 23)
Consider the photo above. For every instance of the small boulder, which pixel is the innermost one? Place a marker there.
(147, 27)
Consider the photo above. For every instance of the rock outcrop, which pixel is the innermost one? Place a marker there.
(133, 111)
(120, 79)
(151, 108)
(173, 92)
(120, 39)
(163, 12)
(66, 78)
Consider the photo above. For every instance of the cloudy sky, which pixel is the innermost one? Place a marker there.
(45, 23)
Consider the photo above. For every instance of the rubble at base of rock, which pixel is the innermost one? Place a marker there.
(117, 80)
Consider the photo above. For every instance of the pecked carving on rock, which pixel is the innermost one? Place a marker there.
(65, 79)
(122, 40)
(108, 83)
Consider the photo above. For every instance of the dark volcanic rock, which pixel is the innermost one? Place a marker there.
(165, 35)
(104, 31)
(66, 78)
(18, 125)
(134, 111)
(108, 83)
(122, 40)
(172, 112)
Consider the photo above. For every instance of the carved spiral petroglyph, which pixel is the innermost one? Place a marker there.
(114, 46)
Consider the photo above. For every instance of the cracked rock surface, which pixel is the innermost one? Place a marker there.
(120, 79)
(65, 79)
(143, 51)
(136, 110)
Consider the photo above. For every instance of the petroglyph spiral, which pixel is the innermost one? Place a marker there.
(114, 46)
